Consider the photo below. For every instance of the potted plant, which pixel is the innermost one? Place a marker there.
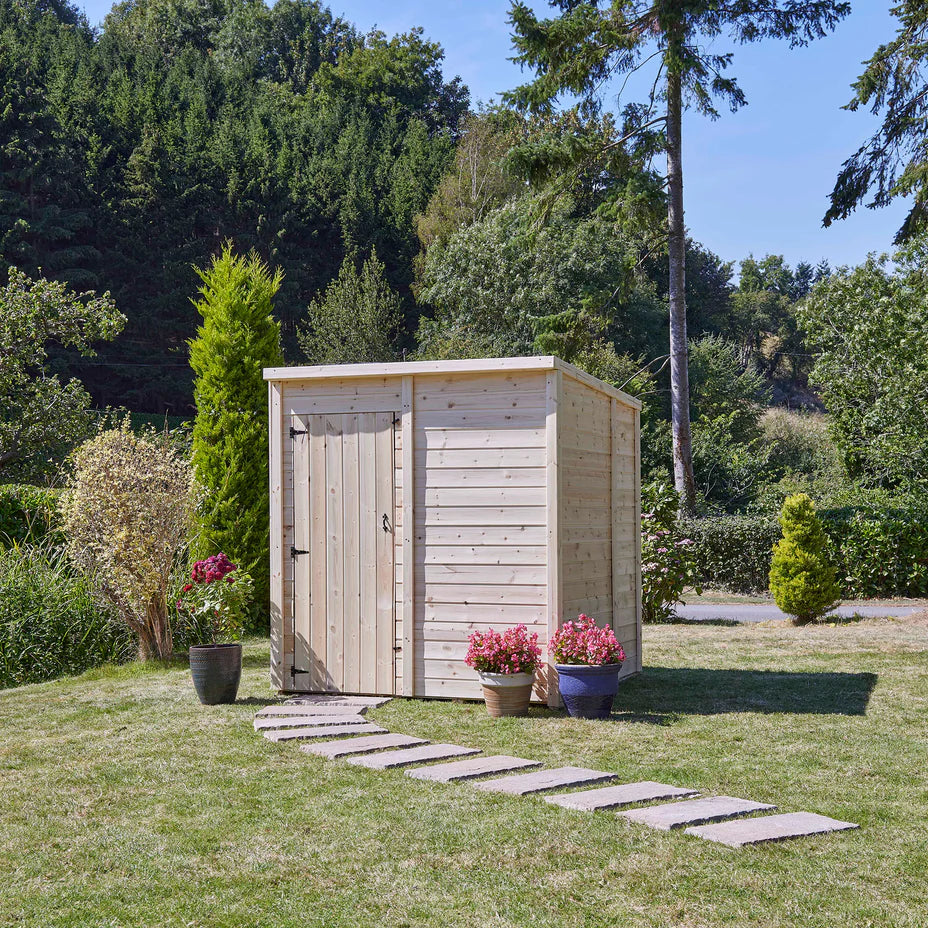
(506, 665)
(213, 606)
(588, 660)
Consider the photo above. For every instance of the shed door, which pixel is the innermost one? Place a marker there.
(343, 583)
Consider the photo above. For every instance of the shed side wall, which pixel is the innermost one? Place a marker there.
(480, 518)
(598, 526)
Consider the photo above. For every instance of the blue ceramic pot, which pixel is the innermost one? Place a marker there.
(588, 691)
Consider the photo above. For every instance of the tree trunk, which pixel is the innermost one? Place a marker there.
(679, 350)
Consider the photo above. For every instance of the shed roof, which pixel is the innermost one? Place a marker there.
(477, 366)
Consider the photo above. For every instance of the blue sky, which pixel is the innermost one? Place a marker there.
(756, 180)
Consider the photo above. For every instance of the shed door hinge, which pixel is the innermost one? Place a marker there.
(295, 431)
(296, 552)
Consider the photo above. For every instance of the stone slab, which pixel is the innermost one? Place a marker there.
(769, 828)
(365, 745)
(336, 699)
(694, 812)
(470, 768)
(420, 755)
(314, 708)
(306, 721)
(323, 731)
(614, 797)
(525, 783)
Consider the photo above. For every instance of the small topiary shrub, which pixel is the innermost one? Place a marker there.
(802, 579)
(128, 514)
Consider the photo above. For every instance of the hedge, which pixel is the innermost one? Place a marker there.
(877, 552)
(27, 514)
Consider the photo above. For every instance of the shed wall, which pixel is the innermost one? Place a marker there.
(480, 511)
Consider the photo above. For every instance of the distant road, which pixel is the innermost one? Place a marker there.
(768, 612)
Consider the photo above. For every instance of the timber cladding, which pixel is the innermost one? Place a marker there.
(414, 503)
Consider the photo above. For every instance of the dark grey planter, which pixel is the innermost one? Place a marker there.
(216, 671)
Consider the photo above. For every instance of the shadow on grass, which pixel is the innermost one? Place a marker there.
(660, 694)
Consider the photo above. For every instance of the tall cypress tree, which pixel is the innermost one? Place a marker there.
(237, 340)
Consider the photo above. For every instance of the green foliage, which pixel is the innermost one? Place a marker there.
(733, 552)
(41, 418)
(893, 162)
(214, 607)
(237, 340)
(802, 578)
(870, 330)
(51, 623)
(667, 566)
(28, 514)
(127, 517)
(357, 319)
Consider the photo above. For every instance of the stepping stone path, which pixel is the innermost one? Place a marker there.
(323, 731)
(613, 797)
(526, 783)
(348, 746)
(769, 828)
(420, 755)
(712, 818)
(694, 812)
(468, 769)
(305, 721)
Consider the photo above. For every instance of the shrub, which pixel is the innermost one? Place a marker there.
(50, 621)
(802, 579)
(733, 552)
(127, 516)
(667, 566)
(28, 514)
(513, 651)
(237, 340)
(214, 604)
(584, 642)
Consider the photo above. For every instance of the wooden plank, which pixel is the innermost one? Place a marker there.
(352, 541)
(385, 674)
(507, 397)
(483, 458)
(411, 368)
(474, 385)
(480, 419)
(316, 404)
(553, 490)
(637, 551)
(320, 679)
(276, 529)
(439, 477)
(335, 553)
(484, 554)
(480, 515)
(481, 496)
(488, 594)
(479, 613)
(300, 565)
(369, 561)
(409, 537)
(480, 575)
(614, 491)
(516, 535)
(439, 439)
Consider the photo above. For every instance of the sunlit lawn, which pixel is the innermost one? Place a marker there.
(127, 803)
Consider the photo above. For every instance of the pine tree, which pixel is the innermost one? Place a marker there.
(237, 340)
(802, 581)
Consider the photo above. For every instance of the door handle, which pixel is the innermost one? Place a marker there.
(386, 523)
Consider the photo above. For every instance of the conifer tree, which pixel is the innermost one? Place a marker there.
(802, 581)
(237, 340)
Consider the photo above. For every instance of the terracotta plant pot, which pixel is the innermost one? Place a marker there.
(507, 694)
(216, 670)
(588, 690)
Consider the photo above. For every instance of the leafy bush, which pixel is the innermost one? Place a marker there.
(802, 578)
(733, 552)
(667, 566)
(127, 515)
(50, 622)
(28, 514)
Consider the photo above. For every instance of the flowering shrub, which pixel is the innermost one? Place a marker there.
(667, 565)
(513, 651)
(214, 604)
(584, 642)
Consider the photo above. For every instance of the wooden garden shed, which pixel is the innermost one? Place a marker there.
(412, 503)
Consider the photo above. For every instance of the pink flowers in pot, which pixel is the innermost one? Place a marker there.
(584, 642)
(513, 651)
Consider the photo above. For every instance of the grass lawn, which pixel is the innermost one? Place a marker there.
(126, 803)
